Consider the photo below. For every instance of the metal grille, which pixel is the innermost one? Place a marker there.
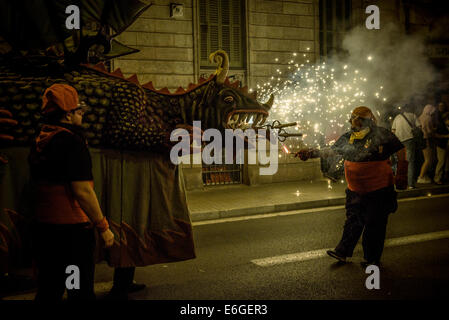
(222, 174)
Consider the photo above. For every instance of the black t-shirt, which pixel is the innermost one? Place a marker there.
(64, 159)
(441, 129)
(379, 144)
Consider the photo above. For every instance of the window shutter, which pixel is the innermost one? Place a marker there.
(204, 39)
(221, 27)
(213, 22)
(237, 34)
(335, 21)
(226, 27)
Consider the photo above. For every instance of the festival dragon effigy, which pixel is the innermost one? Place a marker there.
(127, 127)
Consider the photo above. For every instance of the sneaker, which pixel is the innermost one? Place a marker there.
(335, 255)
(424, 180)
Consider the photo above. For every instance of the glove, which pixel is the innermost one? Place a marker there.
(304, 154)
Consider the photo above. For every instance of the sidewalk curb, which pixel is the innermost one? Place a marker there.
(238, 212)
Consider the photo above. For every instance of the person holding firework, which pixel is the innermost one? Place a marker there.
(370, 195)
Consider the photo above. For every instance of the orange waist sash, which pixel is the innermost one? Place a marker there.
(364, 177)
(56, 204)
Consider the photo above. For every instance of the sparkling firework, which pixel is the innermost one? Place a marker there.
(320, 97)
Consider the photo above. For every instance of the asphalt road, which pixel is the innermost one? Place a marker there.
(412, 267)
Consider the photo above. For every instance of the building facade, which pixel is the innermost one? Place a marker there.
(176, 37)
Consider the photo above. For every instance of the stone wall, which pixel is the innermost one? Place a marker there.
(167, 54)
(166, 45)
(276, 30)
(289, 168)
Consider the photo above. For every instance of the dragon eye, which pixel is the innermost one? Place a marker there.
(229, 99)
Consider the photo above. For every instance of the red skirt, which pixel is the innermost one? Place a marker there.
(364, 177)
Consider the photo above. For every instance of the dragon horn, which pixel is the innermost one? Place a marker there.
(221, 58)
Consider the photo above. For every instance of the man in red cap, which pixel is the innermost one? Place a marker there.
(370, 196)
(66, 207)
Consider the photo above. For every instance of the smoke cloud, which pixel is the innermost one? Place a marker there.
(383, 69)
(398, 62)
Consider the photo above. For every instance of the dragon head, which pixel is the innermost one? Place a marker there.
(230, 106)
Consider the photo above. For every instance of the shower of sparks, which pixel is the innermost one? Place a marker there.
(319, 97)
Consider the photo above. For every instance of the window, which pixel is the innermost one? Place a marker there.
(222, 26)
(335, 21)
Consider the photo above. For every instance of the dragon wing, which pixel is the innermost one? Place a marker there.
(38, 25)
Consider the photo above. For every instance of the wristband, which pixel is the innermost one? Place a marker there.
(102, 225)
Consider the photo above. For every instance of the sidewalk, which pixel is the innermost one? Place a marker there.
(218, 202)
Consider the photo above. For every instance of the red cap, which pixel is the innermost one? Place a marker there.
(59, 95)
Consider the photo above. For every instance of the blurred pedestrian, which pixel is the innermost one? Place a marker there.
(446, 170)
(370, 196)
(441, 140)
(428, 120)
(402, 127)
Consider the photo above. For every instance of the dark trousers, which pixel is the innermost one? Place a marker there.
(367, 213)
(55, 248)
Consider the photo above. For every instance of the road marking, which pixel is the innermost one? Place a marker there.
(266, 215)
(316, 254)
(301, 211)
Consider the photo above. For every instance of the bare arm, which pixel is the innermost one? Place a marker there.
(88, 201)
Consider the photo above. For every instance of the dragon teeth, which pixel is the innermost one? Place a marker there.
(246, 120)
(258, 118)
